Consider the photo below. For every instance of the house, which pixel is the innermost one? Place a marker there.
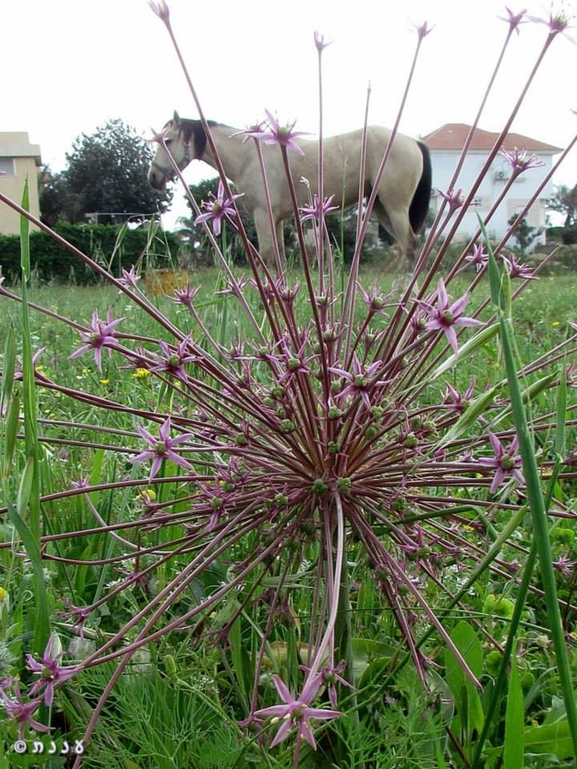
(446, 145)
(18, 160)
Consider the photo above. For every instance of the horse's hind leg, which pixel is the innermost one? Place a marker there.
(397, 224)
(271, 248)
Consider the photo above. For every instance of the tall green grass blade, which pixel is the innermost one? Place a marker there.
(25, 235)
(9, 369)
(536, 504)
(500, 682)
(560, 430)
(28, 504)
(10, 431)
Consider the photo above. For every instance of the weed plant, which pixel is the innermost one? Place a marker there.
(302, 520)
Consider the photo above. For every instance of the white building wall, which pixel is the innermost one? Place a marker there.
(444, 165)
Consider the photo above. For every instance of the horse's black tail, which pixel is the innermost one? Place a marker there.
(420, 202)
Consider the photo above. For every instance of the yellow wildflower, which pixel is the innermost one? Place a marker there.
(141, 373)
(148, 495)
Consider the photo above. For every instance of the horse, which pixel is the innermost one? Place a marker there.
(403, 194)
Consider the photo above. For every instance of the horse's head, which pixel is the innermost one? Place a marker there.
(185, 140)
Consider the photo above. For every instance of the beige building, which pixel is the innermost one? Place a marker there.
(18, 160)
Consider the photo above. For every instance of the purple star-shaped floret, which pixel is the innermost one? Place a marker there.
(50, 671)
(101, 334)
(296, 711)
(444, 316)
(506, 462)
(220, 207)
(161, 448)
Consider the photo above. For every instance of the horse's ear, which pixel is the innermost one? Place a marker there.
(176, 119)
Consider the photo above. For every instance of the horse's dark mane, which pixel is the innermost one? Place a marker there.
(192, 129)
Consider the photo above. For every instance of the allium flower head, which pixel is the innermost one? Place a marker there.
(298, 436)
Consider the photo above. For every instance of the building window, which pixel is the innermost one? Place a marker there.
(7, 167)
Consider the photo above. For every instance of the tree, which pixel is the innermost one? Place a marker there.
(564, 201)
(194, 235)
(106, 173)
(524, 234)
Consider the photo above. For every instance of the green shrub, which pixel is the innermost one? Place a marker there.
(51, 261)
(569, 236)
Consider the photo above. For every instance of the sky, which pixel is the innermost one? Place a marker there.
(69, 66)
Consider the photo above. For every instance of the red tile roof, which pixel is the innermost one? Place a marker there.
(452, 136)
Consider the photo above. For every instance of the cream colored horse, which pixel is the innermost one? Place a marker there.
(404, 188)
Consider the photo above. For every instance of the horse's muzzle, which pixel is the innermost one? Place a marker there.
(156, 180)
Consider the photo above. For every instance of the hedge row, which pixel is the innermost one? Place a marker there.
(113, 246)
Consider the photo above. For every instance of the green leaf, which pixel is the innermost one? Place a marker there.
(474, 410)
(468, 702)
(16, 516)
(514, 721)
(528, 395)
(550, 738)
(25, 488)
(465, 350)
(239, 657)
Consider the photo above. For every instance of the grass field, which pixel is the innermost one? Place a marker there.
(108, 565)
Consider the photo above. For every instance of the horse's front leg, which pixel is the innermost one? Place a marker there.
(270, 242)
